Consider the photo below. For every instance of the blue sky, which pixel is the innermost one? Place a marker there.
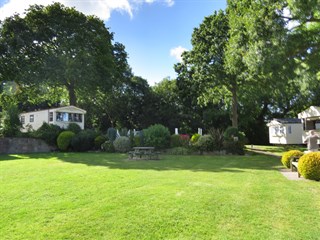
(154, 32)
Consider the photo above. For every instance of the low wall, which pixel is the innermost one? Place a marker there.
(23, 145)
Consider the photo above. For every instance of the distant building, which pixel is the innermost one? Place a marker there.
(61, 116)
(310, 119)
(285, 131)
(294, 130)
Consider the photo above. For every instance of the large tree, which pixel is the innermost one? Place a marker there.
(57, 47)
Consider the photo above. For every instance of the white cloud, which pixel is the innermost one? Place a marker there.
(100, 8)
(177, 52)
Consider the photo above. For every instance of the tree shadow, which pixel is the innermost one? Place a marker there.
(207, 163)
(173, 162)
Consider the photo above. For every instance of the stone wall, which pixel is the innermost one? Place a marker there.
(23, 145)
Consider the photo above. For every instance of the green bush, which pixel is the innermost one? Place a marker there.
(175, 141)
(157, 136)
(73, 127)
(47, 132)
(83, 141)
(309, 166)
(98, 141)
(179, 151)
(64, 140)
(217, 138)
(234, 141)
(11, 124)
(138, 139)
(107, 146)
(112, 134)
(204, 143)
(285, 159)
(122, 144)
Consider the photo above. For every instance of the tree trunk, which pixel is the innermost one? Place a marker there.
(234, 113)
(72, 94)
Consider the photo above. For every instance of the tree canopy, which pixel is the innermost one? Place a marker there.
(57, 47)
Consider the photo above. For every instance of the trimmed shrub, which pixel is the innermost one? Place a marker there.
(112, 134)
(234, 141)
(122, 144)
(157, 136)
(309, 166)
(73, 127)
(107, 146)
(47, 132)
(175, 141)
(205, 143)
(64, 140)
(195, 137)
(83, 141)
(98, 141)
(285, 159)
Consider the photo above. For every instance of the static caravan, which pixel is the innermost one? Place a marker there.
(61, 116)
(310, 120)
(285, 131)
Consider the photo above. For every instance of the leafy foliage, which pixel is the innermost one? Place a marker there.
(234, 141)
(157, 136)
(73, 127)
(286, 157)
(309, 166)
(98, 141)
(122, 144)
(108, 146)
(11, 122)
(64, 140)
(48, 132)
(83, 141)
(205, 143)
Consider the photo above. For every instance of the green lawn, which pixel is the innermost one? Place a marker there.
(105, 196)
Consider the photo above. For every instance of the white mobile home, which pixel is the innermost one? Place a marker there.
(310, 120)
(61, 116)
(285, 131)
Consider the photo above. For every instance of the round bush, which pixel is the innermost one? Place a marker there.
(64, 140)
(157, 136)
(83, 141)
(73, 127)
(122, 144)
(309, 166)
(288, 155)
(175, 141)
(205, 143)
(98, 141)
(107, 146)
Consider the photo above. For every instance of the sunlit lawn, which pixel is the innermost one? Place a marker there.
(106, 196)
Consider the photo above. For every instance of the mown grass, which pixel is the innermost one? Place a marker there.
(276, 150)
(106, 196)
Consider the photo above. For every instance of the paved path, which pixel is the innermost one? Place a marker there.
(284, 171)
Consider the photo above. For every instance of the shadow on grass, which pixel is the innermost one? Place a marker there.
(172, 162)
(166, 163)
